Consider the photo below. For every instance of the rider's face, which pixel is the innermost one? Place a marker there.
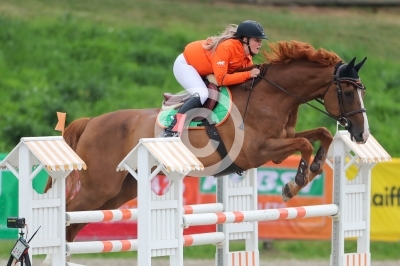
(255, 45)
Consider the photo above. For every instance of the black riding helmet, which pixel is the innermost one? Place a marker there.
(250, 29)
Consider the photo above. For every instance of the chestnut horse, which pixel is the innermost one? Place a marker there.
(293, 73)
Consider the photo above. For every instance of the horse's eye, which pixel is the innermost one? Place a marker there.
(348, 93)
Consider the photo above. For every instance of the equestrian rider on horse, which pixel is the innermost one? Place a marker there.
(219, 55)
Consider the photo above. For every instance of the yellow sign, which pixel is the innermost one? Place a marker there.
(385, 201)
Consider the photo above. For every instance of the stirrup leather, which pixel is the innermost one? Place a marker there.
(168, 134)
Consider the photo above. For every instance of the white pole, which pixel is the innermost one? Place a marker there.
(144, 208)
(363, 242)
(25, 187)
(177, 182)
(339, 176)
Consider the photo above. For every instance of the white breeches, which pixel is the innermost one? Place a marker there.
(189, 78)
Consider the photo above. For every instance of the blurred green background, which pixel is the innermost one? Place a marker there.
(86, 58)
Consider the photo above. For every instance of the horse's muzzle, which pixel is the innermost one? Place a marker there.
(360, 137)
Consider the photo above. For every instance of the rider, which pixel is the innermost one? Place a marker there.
(219, 55)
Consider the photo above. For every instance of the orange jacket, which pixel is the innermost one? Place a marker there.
(227, 58)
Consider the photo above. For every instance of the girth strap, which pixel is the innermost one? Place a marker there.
(227, 165)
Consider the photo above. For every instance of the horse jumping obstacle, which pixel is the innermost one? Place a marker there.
(161, 218)
(46, 210)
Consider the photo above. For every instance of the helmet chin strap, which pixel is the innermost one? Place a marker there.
(248, 46)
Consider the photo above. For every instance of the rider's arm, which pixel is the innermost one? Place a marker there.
(221, 60)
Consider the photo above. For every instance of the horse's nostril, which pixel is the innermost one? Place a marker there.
(365, 135)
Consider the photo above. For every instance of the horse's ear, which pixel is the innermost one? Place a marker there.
(351, 64)
(359, 65)
(346, 72)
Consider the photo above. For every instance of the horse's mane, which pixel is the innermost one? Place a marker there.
(284, 52)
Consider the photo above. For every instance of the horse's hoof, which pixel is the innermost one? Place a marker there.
(286, 193)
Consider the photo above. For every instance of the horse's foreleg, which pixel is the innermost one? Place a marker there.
(319, 161)
(292, 188)
(282, 148)
(323, 135)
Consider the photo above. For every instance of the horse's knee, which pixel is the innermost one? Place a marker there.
(305, 147)
(325, 135)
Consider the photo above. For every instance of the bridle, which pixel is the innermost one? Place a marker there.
(337, 80)
(343, 119)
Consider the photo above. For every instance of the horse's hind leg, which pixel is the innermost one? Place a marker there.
(128, 191)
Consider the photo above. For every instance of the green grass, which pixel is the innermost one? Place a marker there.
(86, 59)
(280, 249)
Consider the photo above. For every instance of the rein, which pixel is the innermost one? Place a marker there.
(342, 120)
(253, 83)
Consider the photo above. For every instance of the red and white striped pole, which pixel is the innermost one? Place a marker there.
(101, 246)
(131, 245)
(260, 215)
(203, 239)
(131, 214)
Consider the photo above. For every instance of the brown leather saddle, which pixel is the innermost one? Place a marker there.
(176, 100)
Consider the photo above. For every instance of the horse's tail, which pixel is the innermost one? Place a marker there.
(71, 136)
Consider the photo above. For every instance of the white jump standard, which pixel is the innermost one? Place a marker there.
(46, 210)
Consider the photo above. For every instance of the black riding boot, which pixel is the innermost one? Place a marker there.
(192, 103)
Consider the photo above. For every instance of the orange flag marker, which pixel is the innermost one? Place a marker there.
(61, 122)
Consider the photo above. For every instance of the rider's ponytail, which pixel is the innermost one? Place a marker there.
(212, 42)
